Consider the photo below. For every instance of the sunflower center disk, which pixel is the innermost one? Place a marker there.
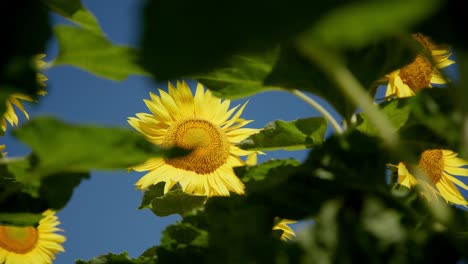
(18, 239)
(209, 145)
(418, 74)
(432, 163)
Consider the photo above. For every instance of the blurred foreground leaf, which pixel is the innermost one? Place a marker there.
(241, 75)
(59, 146)
(20, 219)
(362, 22)
(25, 31)
(291, 135)
(94, 53)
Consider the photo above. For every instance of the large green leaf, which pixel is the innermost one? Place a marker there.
(292, 135)
(242, 75)
(200, 35)
(360, 23)
(173, 202)
(94, 53)
(59, 146)
(76, 12)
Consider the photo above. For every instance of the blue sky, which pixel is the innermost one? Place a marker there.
(102, 215)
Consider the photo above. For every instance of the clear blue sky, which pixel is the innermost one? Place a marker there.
(102, 215)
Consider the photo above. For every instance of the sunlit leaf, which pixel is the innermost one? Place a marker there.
(397, 111)
(76, 12)
(60, 146)
(292, 135)
(94, 53)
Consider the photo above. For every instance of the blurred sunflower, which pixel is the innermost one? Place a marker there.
(2, 154)
(422, 72)
(202, 123)
(10, 115)
(440, 166)
(31, 245)
(288, 233)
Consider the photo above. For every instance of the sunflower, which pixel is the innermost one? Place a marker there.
(440, 166)
(31, 245)
(422, 72)
(205, 125)
(16, 99)
(288, 233)
(2, 147)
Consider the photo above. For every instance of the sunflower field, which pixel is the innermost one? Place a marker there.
(385, 177)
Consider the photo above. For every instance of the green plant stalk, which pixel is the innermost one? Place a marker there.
(326, 114)
(351, 87)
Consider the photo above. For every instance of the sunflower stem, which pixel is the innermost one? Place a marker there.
(351, 87)
(326, 114)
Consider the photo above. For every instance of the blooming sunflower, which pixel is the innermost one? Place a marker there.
(202, 123)
(440, 166)
(31, 245)
(288, 233)
(422, 72)
(10, 115)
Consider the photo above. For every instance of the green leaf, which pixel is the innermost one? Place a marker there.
(76, 12)
(176, 202)
(154, 191)
(397, 112)
(199, 36)
(261, 171)
(182, 242)
(121, 258)
(292, 135)
(59, 146)
(24, 189)
(360, 23)
(20, 219)
(242, 75)
(94, 53)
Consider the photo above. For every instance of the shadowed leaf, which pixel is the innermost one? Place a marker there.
(292, 135)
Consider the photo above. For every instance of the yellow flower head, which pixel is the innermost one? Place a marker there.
(440, 166)
(31, 245)
(421, 73)
(202, 123)
(2, 154)
(10, 115)
(288, 233)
